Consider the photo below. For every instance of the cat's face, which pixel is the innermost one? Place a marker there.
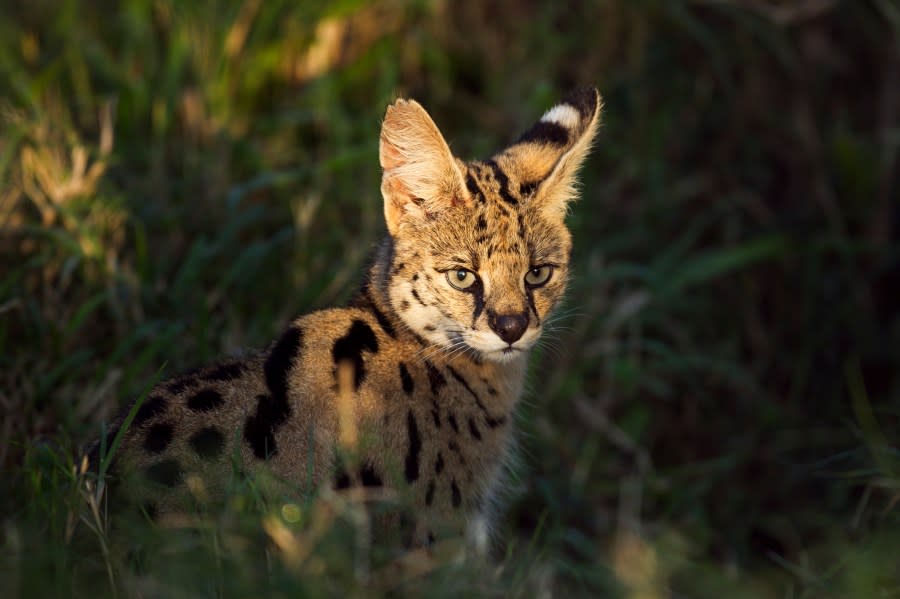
(482, 278)
(481, 249)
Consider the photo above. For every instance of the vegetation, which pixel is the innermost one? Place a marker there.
(716, 413)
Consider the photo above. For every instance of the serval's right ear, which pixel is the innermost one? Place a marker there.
(421, 177)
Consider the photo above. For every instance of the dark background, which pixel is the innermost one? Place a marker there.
(717, 408)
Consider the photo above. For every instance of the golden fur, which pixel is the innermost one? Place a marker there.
(429, 373)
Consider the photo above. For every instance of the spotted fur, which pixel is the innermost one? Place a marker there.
(436, 341)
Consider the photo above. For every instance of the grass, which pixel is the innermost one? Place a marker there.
(716, 411)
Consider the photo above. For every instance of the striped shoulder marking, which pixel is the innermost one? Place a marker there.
(273, 409)
(359, 338)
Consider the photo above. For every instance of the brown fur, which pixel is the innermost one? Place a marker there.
(432, 386)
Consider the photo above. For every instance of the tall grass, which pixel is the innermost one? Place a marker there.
(715, 411)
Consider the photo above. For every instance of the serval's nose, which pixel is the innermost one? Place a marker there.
(509, 327)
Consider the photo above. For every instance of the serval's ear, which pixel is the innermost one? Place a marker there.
(547, 156)
(421, 177)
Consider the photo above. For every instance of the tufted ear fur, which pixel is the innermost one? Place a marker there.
(547, 156)
(421, 178)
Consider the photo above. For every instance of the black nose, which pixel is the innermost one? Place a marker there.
(510, 327)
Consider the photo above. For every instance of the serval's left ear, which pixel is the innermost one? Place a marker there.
(421, 179)
(547, 156)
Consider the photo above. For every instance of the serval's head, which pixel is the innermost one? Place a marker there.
(481, 248)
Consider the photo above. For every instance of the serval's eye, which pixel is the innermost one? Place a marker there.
(539, 275)
(461, 278)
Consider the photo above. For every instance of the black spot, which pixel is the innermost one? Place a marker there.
(457, 497)
(436, 417)
(158, 437)
(473, 429)
(176, 387)
(406, 380)
(224, 372)
(415, 446)
(545, 132)
(494, 422)
(350, 347)
(473, 188)
(430, 328)
(503, 180)
(404, 304)
(439, 463)
(152, 406)
(341, 479)
(415, 277)
(453, 423)
(167, 473)
(205, 400)
(208, 442)
(369, 476)
(526, 189)
(429, 494)
(435, 378)
(397, 268)
(481, 223)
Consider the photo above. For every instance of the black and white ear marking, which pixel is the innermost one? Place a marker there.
(548, 155)
(562, 122)
(562, 114)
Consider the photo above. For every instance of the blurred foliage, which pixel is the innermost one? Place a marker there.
(716, 410)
